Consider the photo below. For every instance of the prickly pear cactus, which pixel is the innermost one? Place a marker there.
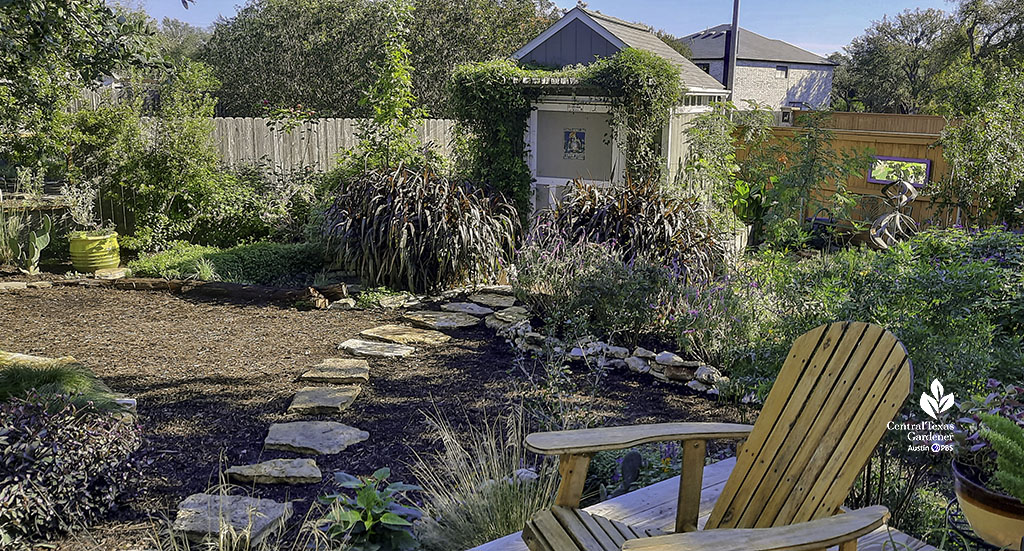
(35, 241)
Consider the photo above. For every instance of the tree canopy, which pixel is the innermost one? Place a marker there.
(51, 49)
(321, 54)
(909, 63)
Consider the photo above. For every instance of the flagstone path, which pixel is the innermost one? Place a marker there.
(334, 386)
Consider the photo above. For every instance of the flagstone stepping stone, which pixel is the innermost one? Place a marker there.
(513, 314)
(313, 437)
(203, 516)
(467, 308)
(323, 399)
(493, 300)
(441, 320)
(340, 371)
(278, 471)
(403, 334)
(360, 347)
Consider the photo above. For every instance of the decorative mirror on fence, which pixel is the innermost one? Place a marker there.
(886, 170)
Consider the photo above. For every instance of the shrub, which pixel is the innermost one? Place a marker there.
(640, 219)
(581, 288)
(64, 465)
(478, 487)
(62, 376)
(257, 263)
(416, 230)
(953, 298)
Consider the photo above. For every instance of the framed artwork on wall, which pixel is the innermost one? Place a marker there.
(575, 144)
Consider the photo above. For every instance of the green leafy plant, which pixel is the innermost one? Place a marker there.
(1007, 439)
(415, 230)
(373, 520)
(27, 248)
(257, 263)
(643, 88)
(64, 464)
(493, 112)
(481, 484)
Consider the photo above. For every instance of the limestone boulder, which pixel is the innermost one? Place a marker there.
(203, 516)
(313, 437)
(278, 471)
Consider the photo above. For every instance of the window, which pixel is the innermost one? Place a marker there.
(781, 71)
(885, 170)
(706, 67)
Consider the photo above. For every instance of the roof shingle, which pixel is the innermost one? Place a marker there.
(642, 37)
(710, 44)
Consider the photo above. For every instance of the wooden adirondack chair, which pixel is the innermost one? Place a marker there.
(838, 389)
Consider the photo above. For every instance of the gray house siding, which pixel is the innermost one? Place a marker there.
(576, 43)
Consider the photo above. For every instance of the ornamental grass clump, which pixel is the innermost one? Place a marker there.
(642, 220)
(416, 230)
(53, 377)
(480, 486)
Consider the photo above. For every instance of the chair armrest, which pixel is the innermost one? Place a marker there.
(589, 441)
(804, 536)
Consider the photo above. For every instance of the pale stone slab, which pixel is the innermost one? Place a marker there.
(203, 516)
(360, 347)
(40, 285)
(12, 285)
(313, 437)
(513, 314)
(340, 371)
(323, 399)
(669, 359)
(343, 304)
(441, 320)
(111, 273)
(467, 308)
(493, 300)
(278, 471)
(403, 334)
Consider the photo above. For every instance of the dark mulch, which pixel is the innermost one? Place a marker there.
(210, 377)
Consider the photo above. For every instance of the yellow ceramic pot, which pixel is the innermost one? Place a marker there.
(997, 518)
(94, 252)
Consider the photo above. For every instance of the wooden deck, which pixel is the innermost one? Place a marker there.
(655, 507)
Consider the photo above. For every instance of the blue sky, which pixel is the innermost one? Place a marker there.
(822, 26)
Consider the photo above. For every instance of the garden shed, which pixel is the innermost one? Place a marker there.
(569, 131)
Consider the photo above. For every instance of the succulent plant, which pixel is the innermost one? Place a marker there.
(27, 253)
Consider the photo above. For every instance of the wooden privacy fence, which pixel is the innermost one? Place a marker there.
(888, 135)
(314, 144)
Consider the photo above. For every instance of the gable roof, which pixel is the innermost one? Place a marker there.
(623, 34)
(710, 44)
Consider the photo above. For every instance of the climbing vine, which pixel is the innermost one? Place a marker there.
(492, 103)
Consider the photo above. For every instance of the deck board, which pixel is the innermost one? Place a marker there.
(654, 507)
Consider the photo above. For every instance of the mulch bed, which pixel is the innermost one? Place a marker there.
(210, 377)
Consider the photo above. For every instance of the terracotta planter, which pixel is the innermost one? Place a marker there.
(996, 517)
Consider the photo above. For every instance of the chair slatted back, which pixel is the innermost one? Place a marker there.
(829, 407)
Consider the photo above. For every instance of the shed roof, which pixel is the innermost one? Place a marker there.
(710, 45)
(625, 34)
